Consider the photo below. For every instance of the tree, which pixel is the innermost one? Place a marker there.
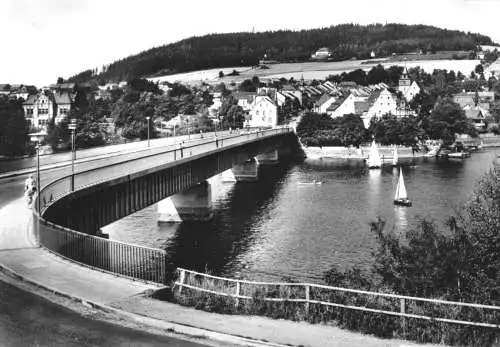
(289, 110)
(60, 80)
(479, 69)
(247, 86)
(58, 136)
(13, 128)
(221, 74)
(446, 120)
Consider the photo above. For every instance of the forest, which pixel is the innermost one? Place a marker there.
(346, 41)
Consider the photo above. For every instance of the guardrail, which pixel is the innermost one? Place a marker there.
(137, 262)
(308, 294)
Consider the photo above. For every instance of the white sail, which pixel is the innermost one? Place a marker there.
(374, 157)
(395, 157)
(401, 189)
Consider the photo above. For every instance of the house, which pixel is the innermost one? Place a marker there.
(322, 54)
(477, 117)
(19, 92)
(245, 99)
(263, 112)
(63, 101)
(321, 105)
(380, 103)
(216, 104)
(408, 88)
(470, 99)
(344, 105)
(39, 109)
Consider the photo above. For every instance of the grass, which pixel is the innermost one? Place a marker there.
(381, 325)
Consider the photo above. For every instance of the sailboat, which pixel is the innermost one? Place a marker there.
(373, 160)
(395, 157)
(401, 197)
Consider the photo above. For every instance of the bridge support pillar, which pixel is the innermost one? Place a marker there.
(268, 158)
(246, 172)
(193, 204)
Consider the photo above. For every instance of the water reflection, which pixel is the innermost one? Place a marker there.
(276, 226)
(215, 245)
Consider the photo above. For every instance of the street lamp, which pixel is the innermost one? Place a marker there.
(148, 118)
(38, 175)
(72, 127)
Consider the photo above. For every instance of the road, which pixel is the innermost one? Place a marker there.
(30, 320)
(97, 152)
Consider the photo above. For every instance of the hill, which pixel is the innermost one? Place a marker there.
(234, 49)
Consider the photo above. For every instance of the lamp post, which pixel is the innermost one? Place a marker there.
(72, 127)
(189, 129)
(38, 175)
(148, 118)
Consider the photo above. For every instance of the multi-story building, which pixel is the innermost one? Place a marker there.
(263, 112)
(40, 108)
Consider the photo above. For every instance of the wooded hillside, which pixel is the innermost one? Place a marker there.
(234, 49)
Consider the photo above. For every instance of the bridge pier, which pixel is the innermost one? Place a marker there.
(190, 205)
(247, 171)
(268, 158)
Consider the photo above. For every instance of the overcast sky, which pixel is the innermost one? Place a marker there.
(43, 39)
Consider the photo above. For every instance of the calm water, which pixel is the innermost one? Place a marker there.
(285, 226)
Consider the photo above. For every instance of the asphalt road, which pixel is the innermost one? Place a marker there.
(7, 165)
(29, 320)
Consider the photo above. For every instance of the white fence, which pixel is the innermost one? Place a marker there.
(308, 293)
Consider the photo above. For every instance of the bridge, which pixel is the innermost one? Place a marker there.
(69, 211)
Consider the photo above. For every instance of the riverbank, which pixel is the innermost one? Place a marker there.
(338, 152)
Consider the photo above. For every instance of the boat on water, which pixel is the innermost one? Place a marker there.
(374, 161)
(459, 155)
(401, 196)
(395, 157)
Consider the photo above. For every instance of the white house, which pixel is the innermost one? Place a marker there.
(342, 106)
(245, 99)
(39, 109)
(263, 112)
(380, 103)
(321, 106)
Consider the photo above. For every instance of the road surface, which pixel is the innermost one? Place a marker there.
(29, 320)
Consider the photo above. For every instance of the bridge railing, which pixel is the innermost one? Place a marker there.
(119, 258)
(319, 299)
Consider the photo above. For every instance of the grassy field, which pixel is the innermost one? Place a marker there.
(316, 70)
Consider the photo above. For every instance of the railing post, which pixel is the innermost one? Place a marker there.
(237, 293)
(308, 288)
(403, 318)
(181, 279)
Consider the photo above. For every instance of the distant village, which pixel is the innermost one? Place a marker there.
(261, 107)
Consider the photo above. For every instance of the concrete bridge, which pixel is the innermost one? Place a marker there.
(108, 193)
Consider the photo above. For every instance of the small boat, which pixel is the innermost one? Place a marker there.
(459, 155)
(374, 161)
(401, 197)
(395, 157)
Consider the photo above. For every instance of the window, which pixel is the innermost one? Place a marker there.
(29, 111)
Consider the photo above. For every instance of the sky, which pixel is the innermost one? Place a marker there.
(42, 40)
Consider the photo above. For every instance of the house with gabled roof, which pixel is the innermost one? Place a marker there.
(380, 102)
(40, 108)
(263, 112)
(477, 117)
(321, 105)
(245, 99)
(342, 106)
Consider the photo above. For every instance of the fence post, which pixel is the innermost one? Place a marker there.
(307, 299)
(403, 318)
(237, 293)
(181, 279)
